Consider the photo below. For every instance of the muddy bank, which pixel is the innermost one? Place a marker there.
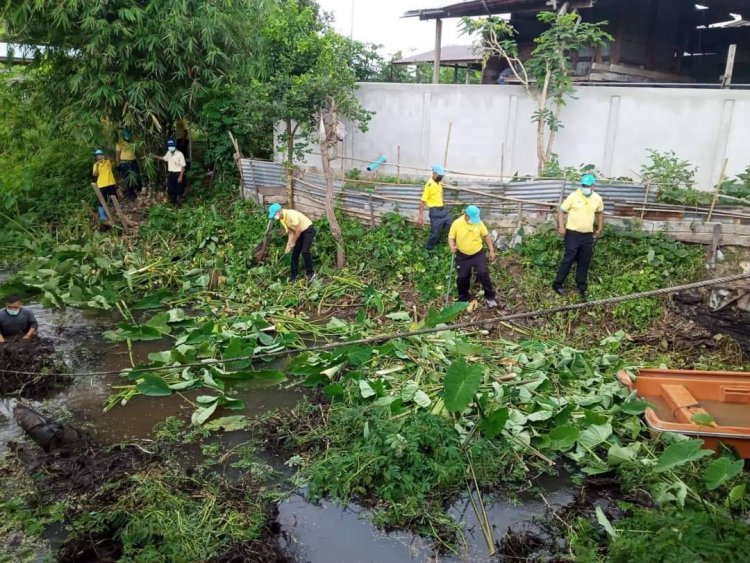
(26, 367)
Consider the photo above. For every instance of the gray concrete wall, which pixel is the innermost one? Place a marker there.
(611, 127)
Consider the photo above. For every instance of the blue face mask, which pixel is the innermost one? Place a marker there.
(13, 312)
(586, 191)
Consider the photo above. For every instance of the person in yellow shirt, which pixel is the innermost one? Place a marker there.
(300, 235)
(465, 241)
(584, 208)
(105, 179)
(432, 197)
(127, 164)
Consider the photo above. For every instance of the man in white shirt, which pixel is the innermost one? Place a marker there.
(175, 171)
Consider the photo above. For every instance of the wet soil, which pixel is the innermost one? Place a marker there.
(20, 357)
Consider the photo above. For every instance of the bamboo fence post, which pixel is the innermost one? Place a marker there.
(645, 200)
(447, 144)
(398, 164)
(716, 191)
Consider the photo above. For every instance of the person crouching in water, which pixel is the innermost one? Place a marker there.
(300, 235)
(465, 241)
(17, 321)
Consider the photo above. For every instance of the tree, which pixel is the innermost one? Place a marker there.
(131, 63)
(546, 73)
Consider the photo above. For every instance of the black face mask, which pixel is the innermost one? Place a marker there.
(438, 178)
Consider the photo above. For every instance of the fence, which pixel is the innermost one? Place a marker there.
(505, 205)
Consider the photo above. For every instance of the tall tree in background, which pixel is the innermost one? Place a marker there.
(131, 63)
(546, 73)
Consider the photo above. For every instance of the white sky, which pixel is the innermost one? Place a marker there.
(380, 22)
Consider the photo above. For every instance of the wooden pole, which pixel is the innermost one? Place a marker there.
(726, 80)
(645, 200)
(103, 203)
(447, 144)
(716, 191)
(438, 43)
(398, 164)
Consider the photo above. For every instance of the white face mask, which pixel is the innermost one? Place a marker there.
(586, 191)
(172, 149)
(13, 312)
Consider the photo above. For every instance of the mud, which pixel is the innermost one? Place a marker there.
(730, 321)
(36, 356)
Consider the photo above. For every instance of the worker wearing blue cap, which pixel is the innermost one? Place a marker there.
(465, 241)
(300, 235)
(432, 197)
(176, 166)
(584, 208)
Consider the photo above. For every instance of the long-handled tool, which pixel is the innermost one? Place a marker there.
(262, 249)
(448, 279)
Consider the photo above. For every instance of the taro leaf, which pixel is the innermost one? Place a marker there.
(408, 390)
(152, 301)
(461, 384)
(493, 424)
(202, 414)
(735, 495)
(634, 407)
(231, 403)
(164, 357)
(401, 316)
(563, 437)
(206, 399)
(359, 356)
(365, 389)
(594, 435)
(593, 417)
(160, 322)
(334, 391)
(680, 454)
(720, 471)
(702, 419)
(564, 415)
(605, 523)
(621, 454)
(153, 386)
(228, 423)
(422, 399)
(435, 317)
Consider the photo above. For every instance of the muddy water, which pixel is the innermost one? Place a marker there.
(326, 532)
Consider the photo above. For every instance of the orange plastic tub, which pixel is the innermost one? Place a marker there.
(676, 396)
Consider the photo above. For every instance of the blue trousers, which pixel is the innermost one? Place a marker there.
(440, 220)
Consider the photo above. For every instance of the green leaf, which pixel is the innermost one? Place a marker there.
(634, 407)
(679, 454)
(159, 322)
(461, 383)
(422, 399)
(450, 313)
(563, 437)
(702, 419)
(735, 495)
(595, 434)
(202, 414)
(722, 470)
(228, 423)
(400, 316)
(617, 455)
(494, 424)
(265, 376)
(365, 389)
(605, 523)
(153, 386)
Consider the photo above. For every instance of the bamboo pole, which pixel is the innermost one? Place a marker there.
(716, 191)
(447, 144)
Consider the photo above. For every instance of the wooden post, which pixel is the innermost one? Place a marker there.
(126, 223)
(645, 200)
(447, 144)
(438, 44)
(716, 191)
(713, 248)
(238, 161)
(398, 164)
(726, 80)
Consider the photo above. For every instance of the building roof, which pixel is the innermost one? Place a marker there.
(717, 10)
(449, 54)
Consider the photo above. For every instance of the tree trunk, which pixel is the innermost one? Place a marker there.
(541, 125)
(338, 236)
(290, 162)
(553, 132)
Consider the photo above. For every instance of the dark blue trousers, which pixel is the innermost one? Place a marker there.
(440, 220)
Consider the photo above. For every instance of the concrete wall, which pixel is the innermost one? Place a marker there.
(611, 127)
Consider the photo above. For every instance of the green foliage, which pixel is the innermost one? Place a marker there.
(674, 177)
(676, 536)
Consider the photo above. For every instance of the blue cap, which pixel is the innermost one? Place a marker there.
(439, 170)
(473, 212)
(171, 143)
(98, 152)
(588, 180)
(273, 210)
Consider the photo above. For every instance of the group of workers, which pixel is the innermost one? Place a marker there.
(125, 164)
(468, 235)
